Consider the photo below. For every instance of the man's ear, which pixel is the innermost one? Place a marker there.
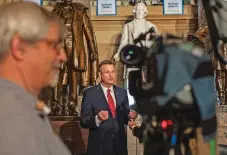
(16, 48)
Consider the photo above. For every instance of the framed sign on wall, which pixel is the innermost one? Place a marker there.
(171, 7)
(106, 8)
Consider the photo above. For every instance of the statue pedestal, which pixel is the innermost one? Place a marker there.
(222, 124)
(69, 130)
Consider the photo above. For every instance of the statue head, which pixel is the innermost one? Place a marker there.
(140, 10)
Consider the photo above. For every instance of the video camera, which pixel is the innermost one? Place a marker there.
(174, 92)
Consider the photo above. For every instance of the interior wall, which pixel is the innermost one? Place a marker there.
(108, 28)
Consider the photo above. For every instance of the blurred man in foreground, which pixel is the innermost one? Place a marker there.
(30, 56)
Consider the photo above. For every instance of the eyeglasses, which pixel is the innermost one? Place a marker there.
(56, 45)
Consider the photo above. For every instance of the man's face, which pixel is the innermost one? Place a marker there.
(44, 58)
(139, 11)
(107, 72)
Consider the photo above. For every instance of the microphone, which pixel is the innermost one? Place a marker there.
(41, 107)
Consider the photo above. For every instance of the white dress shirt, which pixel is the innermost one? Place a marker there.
(111, 93)
(105, 93)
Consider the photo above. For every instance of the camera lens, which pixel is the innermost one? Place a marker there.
(131, 55)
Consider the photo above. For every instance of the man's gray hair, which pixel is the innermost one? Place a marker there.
(30, 21)
(143, 5)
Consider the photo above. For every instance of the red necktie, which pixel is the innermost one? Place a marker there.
(111, 103)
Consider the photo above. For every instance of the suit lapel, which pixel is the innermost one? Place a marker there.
(116, 96)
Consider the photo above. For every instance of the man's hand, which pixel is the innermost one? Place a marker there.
(133, 115)
(103, 115)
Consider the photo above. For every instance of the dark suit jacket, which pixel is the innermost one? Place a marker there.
(109, 138)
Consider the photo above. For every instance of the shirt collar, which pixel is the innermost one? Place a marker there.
(105, 89)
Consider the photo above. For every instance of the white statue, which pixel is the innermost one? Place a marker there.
(135, 28)
(132, 31)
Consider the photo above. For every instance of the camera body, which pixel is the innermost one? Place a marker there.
(173, 91)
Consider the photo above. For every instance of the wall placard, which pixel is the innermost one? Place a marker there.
(173, 7)
(106, 8)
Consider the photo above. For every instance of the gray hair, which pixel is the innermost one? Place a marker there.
(143, 5)
(30, 21)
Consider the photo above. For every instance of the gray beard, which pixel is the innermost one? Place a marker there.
(54, 80)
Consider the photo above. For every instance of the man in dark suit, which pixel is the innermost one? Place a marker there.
(105, 111)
